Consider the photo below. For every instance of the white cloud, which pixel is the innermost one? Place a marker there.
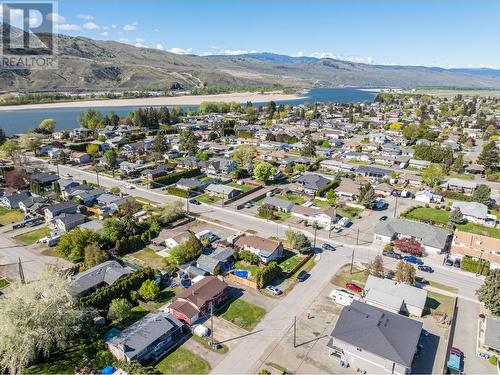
(181, 51)
(113, 26)
(323, 55)
(55, 17)
(139, 40)
(297, 54)
(331, 55)
(124, 40)
(105, 33)
(135, 23)
(86, 17)
(91, 26)
(160, 46)
(69, 27)
(105, 27)
(141, 45)
(128, 27)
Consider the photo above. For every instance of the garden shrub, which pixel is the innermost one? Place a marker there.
(474, 265)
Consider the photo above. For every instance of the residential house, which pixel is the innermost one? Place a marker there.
(279, 204)
(489, 335)
(131, 168)
(324, 217)
(80, 133)
(44, 179)
(195, 303)
(159, 171)
(396, 297)
(33, 205)
(88, 197)
(103, 274)
(311, 183)
(52, 211)
(267, 250)
(193, 184)
(348, 189)
(476, 246)
(220, 261)
(80, 157)
(476, 212)
(147, 339)
(371, 171)
(65, 222)
(418, 164)
(384, 189)
(428, 197)
(220, 166)
(11, 201)
(374, 340)
(458, 185)
(224, 191)
(433, 239)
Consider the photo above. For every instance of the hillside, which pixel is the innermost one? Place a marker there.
(92, 64)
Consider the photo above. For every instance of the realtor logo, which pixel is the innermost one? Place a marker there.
(28, 35)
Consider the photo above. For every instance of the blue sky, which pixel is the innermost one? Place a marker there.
(448, 33)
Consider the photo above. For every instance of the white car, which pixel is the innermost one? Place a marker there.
(66, 175)
(129, 186)
(337, 228)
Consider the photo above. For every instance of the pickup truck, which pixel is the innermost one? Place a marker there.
(455, 361)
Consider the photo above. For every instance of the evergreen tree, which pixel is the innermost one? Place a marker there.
(482, 194)
(489, 156)
(456, 216)
(489, 292)
(188, 142)
(309, 148)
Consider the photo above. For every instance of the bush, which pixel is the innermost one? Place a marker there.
(172, 178)
(331, 185)
(409, 246)
(129, 244)
(178, 192)
(474, 265)
(493, 360)
(121, 288)
(457, 196)
(249, 257)
(388, 247)
(267, 274)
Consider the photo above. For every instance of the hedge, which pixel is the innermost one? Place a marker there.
(267, 274)
(331, 185)
(473, 265)
(458, 196)
(128, 244)
(172, 178)
(121, 288)
(174, 190)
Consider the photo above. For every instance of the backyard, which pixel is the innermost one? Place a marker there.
(349, 212)
(10, 216)
(208, 199)
(64, 362)
(297, 199)
(165, 295)
(242, 314)
(243, 187)
(344, 276)
(243, 265)
(146, 257)
(440, 304)
(30, 238)
(182, 361)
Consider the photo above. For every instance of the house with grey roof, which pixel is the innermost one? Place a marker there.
(371, 171)
(476, 213)
(490, 335)
(279, 204)
(221, 258)
(311, 183)
(374, 340)
(52, 211)
(395, 297)
(103, 274)
(225, 191)
(458, 185)
(147, 339)
(65, 222)
(11, 201)
(433, 239)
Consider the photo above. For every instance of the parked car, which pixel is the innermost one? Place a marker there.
(455, 362)
(421, 280)
(273, 290)
(354, 287)
(449, 262)
(456, 263)
(337, 229)
(344, 222)
(383, 218)
(195, 202)
(412, 259)
(66, 175)
(128, 186)
(248, 205)
(327, 246)
(302, 276)
(390, 274)
(426, 269)
(391, 254)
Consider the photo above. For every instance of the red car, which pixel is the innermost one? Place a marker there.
(354, 287)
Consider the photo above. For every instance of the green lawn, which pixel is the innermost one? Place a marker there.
(148, 257)
(297, 199)
(243, 314)
(480, 229)
(182, 361)
(33, 236)
(307, 266)
(289, 263)
(440, 304)
(10, 216)
(429, 214)
(462, 176)
(3, 282)
(208, 199)
(350, 212)
(448, 288)
(321, 203)
(243, 187)
(242, 265)
(344, 276)
(59, 363)
(281, 216)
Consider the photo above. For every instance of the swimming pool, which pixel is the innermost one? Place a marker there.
(242, 273)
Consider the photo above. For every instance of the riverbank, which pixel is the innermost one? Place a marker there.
(185, 100)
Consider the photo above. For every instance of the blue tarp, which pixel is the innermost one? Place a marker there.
(108, 370)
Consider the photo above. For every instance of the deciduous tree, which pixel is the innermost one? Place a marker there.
(94, 255)
(264, 171)
(149, 290)
(405, 273)
(47, 125)
(119, 310)
(433, 174)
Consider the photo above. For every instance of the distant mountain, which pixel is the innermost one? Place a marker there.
(480, 72)
(272, 58)
(85, 64)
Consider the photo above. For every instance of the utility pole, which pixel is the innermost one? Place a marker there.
(57, 166)
(315, 226)
(479, 263)
(21, 272)
(357, 236)
(395, 206)
(352, 260)
(97, 177)
(187, 203)
(295, 331)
